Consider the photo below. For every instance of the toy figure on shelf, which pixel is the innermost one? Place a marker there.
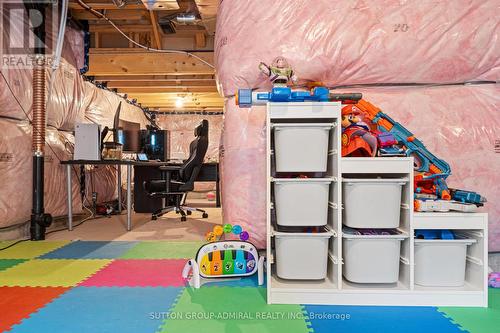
(224, 259)
(357, 139)
(280, 73)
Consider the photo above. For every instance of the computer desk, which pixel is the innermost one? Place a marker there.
(209, 172)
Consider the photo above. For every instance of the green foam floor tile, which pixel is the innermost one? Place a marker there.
(163, 250)
(477, 320)
(8, 263)
(232, 309)
(50, 272)
(30, 250)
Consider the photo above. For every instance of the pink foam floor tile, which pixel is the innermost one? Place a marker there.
(139, 273)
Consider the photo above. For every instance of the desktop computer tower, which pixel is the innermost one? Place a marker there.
(87, 142)
(156, 144)
(142, 202)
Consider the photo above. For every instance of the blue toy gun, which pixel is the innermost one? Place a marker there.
(467, 197)
(434, 234)
(247, 97)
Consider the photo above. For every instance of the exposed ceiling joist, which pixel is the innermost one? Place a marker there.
(107, 28)
(122, 14)
(175, 89)
(156, 78)
(160, 84)
(156, 29)
(147, 63)
(100, 5)
(166, 97)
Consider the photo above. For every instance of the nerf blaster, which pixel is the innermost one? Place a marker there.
(425, 160)
(432, 184)
(467, 197)
(247, 97)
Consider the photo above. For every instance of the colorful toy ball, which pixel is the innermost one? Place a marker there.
(227, 228)
(237, 229)
(244, 236)
(218, 230)
(210, 236)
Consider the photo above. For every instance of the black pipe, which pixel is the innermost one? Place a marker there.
(39, 219)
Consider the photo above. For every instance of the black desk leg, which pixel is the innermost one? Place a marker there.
(217, 188)
(119, 183)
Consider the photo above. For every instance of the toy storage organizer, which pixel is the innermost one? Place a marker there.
(316, 202)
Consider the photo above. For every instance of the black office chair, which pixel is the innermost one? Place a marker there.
(178, 180)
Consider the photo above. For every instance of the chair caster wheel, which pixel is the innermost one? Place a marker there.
(205, 215)
(183, 219)
(154, 217)
(188, 212)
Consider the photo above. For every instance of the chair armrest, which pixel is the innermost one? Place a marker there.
(170, 168)
(163, 194)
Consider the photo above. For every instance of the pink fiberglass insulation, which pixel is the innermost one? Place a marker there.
(350, 42)
(243, 174)
(181, 129)
(65, 104)
(102, 105)
(16, 171)
(457, 123)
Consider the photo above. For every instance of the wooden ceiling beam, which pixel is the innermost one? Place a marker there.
(168, 95)
(161, 84)
(99, 5)
(126, 62)
(156, 29)
(156, 78)
(122, 14)
(200, 39)
(107, 28)
(175, 89)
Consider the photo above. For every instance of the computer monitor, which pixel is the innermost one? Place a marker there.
(155, 143)
(129, 135)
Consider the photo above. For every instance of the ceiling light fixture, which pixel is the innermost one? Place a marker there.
(179, 102)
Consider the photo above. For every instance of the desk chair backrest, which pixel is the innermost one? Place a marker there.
(197, 150)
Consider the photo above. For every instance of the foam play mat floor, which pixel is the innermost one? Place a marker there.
(136, 287)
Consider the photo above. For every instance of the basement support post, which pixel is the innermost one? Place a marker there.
(39, 219)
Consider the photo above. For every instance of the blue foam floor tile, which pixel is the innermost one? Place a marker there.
(90, 250)
(103, 309)
(251, 281)
(362, 319)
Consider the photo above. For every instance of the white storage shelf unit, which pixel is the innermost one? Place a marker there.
(335, 289)
(320, 190)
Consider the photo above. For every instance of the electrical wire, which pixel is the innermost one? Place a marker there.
(103, 16)
(27, 115)
(15, 243)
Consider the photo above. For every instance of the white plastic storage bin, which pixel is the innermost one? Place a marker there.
(301, 256)
(371, 258)
(372, 203)
(441, 262)
(301, 201)
(301, 147)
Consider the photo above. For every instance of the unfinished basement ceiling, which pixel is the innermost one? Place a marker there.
(156, 80)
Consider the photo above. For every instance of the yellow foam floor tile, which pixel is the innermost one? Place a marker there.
(51, 272)
(29, 249)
